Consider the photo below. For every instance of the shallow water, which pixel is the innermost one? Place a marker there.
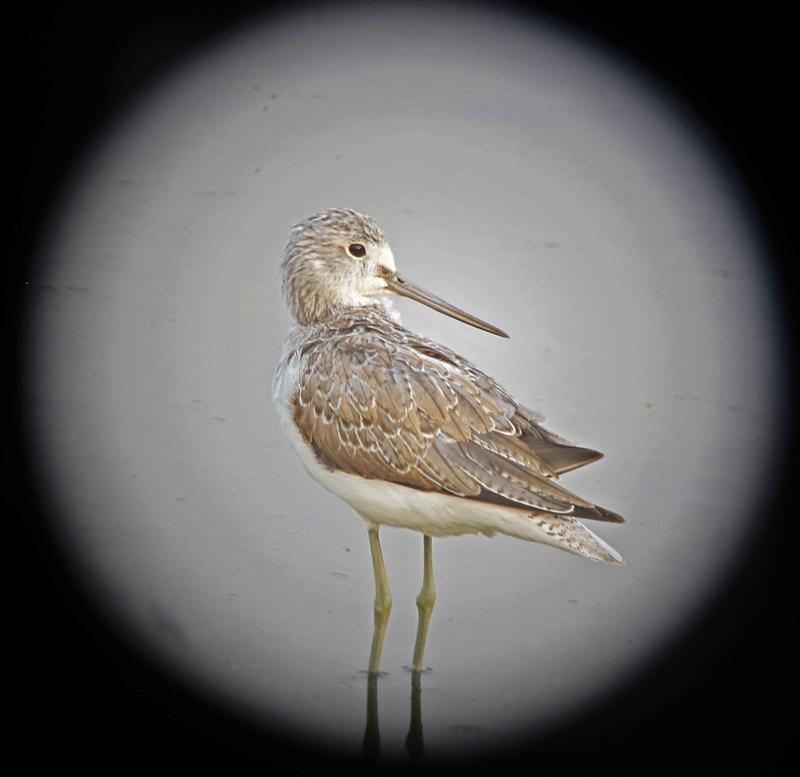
(520, 175)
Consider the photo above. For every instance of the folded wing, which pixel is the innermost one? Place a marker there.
(401, 408)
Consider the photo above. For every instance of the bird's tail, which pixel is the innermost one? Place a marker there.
(562, 531)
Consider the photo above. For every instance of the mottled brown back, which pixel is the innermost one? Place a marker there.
(378, 401)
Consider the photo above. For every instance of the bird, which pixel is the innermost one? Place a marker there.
(405, 430)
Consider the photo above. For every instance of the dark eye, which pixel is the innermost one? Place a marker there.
(357, 250)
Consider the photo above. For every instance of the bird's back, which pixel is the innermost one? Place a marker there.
(374, 400)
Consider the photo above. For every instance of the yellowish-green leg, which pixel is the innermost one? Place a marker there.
(383, 601)
(425, 602)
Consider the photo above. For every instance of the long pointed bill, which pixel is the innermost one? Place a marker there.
(407, 289)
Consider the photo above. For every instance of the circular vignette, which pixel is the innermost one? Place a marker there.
(706, 614)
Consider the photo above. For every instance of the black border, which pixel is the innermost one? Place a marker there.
(81, 696)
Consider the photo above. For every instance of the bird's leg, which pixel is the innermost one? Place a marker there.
(425, 602)
(383, 601)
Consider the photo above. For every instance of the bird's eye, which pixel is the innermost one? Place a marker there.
(357, 250)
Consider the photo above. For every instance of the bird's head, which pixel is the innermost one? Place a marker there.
(340, 259)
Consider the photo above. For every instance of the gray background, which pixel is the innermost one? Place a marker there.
(521, 175)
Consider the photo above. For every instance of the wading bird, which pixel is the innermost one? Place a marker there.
(406, 431)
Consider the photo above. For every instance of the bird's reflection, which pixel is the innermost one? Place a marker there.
(371, 746)
(372, 735)
(414, 741)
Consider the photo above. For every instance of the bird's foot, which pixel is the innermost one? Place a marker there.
(420, 669)
(362, 672)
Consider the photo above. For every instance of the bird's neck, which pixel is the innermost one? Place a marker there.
(373, 308)
(380, 316)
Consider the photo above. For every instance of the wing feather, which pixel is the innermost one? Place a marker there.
(389, 405)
